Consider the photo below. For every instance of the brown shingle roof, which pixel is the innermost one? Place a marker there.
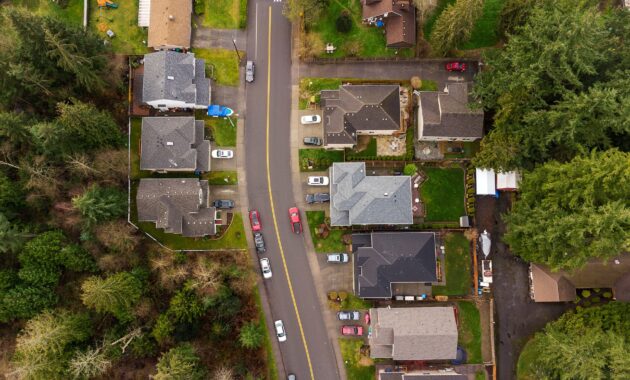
(169, 24)
(399, 17)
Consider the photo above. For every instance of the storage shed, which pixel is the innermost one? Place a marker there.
(485, 181)
(508, 181)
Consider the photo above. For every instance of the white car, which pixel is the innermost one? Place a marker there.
(280, 333)
(222, 153)
(265, 266)
(318, 180)
(311, 119)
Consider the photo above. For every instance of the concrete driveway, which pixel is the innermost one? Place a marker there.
(223, 164)
(225, 192)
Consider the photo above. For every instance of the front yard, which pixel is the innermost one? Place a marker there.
(319, 159)
(458, 266)
(358, 367)
(221, 65)
(443, 194)
(469, 331)
(218, 177)
(333, 242)
(222, 14)
(223, 130)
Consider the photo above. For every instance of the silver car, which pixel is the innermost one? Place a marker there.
(265, 267)
(337, 258)
(348, 315)
(249, 71)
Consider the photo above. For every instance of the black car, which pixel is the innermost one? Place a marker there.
(317, 198)
(312, 141)
(259, 242)
(223, 203)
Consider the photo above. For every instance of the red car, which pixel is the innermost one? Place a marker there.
(294, 216)
(456, 66)
(254, 219)
(352, 330)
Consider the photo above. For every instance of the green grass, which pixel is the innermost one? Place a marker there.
(369, 151)
(470, 150)
(480, 375)
(136, 135)
(355, 303)
(530, 352)
(321, 158)
(361, 40)
(72, 14)
(469, 331)
(428, 85)
(221, 129)
(221, 65)
(123, 22)
(225, 14)
(458, 266)
(485, 31)
(311, 87)
(443, 194)
(332, 243)
(350, 351)
(272, 368)
(430, 22)
(220, 177)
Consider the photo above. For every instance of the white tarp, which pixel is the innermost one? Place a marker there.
(508, 181)
(484, 238)
(485, 181)
(144, 12)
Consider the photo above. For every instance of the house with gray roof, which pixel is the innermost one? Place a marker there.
(422, 374)
(174, 144)
(383, 259)
(358, 199)
(447, 115)
(413, 333)
(177, 205)
(354, 110)
(175, 80)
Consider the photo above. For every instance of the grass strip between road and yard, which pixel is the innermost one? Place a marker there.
(218, 177)
(320, 159)
(458, 266)
(443, 194)
(333, 242)
(469, 331)
(358, 367)
(221, 65)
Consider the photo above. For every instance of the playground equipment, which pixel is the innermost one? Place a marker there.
(107, 4)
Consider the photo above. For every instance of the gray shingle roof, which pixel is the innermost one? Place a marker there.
(174, 143)
(359, 199)
(178, 205)
(383, 258)
(419, 333)
(447, 114)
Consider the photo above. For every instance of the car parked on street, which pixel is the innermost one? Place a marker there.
(259, 242)
(254, 220)
(317, 198)
(265, 267)
(337, 258)
(249, 71)
(280, 332)
(310, 119)
(222, 153)
(223, 203)
(456, 66)
(312, 140)
(348, 315)
(296, 223)
(352, 330)
(317, 180)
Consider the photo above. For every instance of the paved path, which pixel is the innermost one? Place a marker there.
(207, 38)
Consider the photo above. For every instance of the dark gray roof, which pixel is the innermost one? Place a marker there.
(202, 83)
(383, 258)
(174, 143)
(354, 108)
(174, 76)
(178, 205)
(447, 114)
(358, 199)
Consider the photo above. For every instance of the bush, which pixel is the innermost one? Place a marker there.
(586, 293)
(410, 169)
(344, 23)
(163, 329)
(607, 295)
(200, 7)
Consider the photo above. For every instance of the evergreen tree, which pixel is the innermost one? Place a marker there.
(251, 335)
(116, 294)
(99, 204)
(180, 363)
(455, 25)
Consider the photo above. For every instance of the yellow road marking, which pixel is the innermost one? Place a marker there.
(273, 210)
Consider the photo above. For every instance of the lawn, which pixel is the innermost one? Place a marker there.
(351, 353)
(368, 152)
(221, 177)
(224, 14)
(332, 243)
(321, 159)
(72, 13)
(443, 194)
(311, 87)
(458, 266)
(469, 331)
(485, 31)
(361, 40)
(123, 22)
(353, 302)
(223, 130)
(221, 65)
(528, 354)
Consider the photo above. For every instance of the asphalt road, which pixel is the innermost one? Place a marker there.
(291, 291)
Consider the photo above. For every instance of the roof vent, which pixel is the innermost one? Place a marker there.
(171, 17)
(385, 194)
(169, 143)
(170, 77)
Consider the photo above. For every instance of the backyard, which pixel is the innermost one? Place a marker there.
(221, 65)
(72, 13)
(123, 21)
(222, 14)
(320, 159)
(458, 266)
(333, 242)
(358, 367)
(443, 194)
(469, 329)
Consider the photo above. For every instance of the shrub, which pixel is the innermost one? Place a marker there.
(343, 296)
(200, 7)
(607, 295)
(410, 169)
(332, 296)
(416, 83)
(163, 329)
(596, 299)
(344, 23)
(586, 293)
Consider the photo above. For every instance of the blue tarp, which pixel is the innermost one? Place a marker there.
(380, 24)
(219, 111)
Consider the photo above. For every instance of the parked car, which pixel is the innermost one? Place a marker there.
(456, 66)
(249, 71)
(337, 258)
(313, 141)
(223, 203)
(280, 332)
(348, 315)
(294, 217)
(265, 267)
(222, 153)
(259, 242)
(317, 198)
(254, 220)
(352, 330)
(290, 376)
(317, 180)
(311, 119)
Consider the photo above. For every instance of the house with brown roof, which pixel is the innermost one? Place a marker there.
(398, 17)
(448, 116)
(169, 24)
(354, 110)
(562, 286)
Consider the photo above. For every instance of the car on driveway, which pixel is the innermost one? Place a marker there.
(223, 203)
(259, 242)
(456, 66)
(222, 153)
(317, 198)
(348, 315)
(337, 258)
(296, 223)
(254, 220)
(311, 119)
(280, 332)
(313, 141)
(317, 180)
(265, 267)
(249, 71)
(352, 330)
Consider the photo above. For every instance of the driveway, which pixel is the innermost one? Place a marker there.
(207, 38)
(223, 164)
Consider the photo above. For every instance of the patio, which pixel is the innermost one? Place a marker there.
(418, 206)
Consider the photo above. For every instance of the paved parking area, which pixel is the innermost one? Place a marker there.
(310, 130)
(335, 276)
(222, 164)
(225, 192)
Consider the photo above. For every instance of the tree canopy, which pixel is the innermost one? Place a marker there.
(180, 363)
(99, 204)
(455, 25)
(115, 294)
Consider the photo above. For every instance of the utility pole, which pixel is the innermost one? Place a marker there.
(236, 50)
